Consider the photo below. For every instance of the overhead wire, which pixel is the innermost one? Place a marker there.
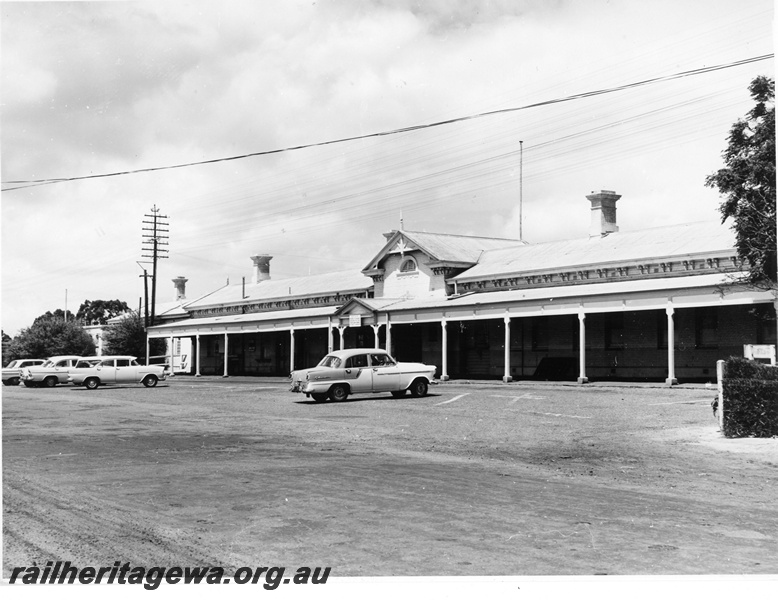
(19, 184)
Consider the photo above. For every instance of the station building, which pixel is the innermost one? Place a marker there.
(660, 304)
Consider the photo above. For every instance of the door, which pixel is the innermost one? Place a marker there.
(125, 372)
(358, 373)
(106, 371)
(386, 374)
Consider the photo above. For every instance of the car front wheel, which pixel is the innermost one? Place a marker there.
(50, 382)
(92, 383)
(338, 393)
(150, 381)
(419, 388)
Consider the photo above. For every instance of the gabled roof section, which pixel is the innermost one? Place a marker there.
(371, 304)
(444, 248)
(648, 244)
(282, 289)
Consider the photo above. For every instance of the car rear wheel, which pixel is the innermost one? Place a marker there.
(92, 383)
(150, 380)
(12, 381)
(319, 397)
(50, 382)
(398, 394)
(419, 388)
(338, 393)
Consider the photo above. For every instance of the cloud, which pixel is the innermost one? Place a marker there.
(103, 87)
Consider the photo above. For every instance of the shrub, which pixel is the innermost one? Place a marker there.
(750, 399)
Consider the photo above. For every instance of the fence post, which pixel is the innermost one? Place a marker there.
(720, 385)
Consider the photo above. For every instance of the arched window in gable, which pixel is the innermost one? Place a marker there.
(408, 266)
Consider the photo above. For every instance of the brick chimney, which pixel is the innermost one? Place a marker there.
(603, 213)
(261, 267)
(180, 283)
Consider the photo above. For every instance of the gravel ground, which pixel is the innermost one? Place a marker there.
(479, 478)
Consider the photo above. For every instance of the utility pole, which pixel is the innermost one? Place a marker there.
(152, 241)
(145, 299)
(521, 190)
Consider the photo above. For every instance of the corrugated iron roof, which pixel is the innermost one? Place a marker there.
(617, 288)
(284, 289)
(646, 244)
(458, 248)
(260, 317)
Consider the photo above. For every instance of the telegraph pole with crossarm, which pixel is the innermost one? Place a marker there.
(153, 238)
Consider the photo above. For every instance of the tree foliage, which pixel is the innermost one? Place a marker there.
(48, 315)
(50, 337)
(747, 183)
(98, 312)
(128, 336)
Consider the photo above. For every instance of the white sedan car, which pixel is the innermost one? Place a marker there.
(50, 373)
(12, 372)
(101, 370)
(359, 371)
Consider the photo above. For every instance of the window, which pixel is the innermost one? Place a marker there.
(123, 362)
(357, 361)
(540, 333)
(381, 360)
(706, 327)
(765, 324)
(333, 362)
(614, 331)
(661, 330)
(408, 266)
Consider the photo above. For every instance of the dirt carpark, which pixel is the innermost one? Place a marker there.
(478, 478)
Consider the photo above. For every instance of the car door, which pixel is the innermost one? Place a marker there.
(61, 369)
(106, 370)
(386, 374)
(358, 373)
(125, 372)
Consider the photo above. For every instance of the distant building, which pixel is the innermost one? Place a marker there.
(657, 304)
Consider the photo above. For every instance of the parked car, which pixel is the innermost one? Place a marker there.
(95, 371)
(50, 373)
(12, 373)
(359, 371)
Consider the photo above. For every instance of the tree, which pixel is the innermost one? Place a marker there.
(747, 183)
(50, 337)
(48, 315)
(98, 312)
(6, 342)
(128, 336)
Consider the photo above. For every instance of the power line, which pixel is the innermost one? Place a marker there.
(20, 184)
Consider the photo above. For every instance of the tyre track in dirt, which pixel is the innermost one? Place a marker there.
(45, 522)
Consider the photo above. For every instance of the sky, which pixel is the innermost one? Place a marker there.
(143, 88)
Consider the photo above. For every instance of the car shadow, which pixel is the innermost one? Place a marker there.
(373, 398)
(106, 388)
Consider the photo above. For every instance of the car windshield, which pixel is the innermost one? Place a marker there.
(48, 363)
(332, 362)
(12, 364)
